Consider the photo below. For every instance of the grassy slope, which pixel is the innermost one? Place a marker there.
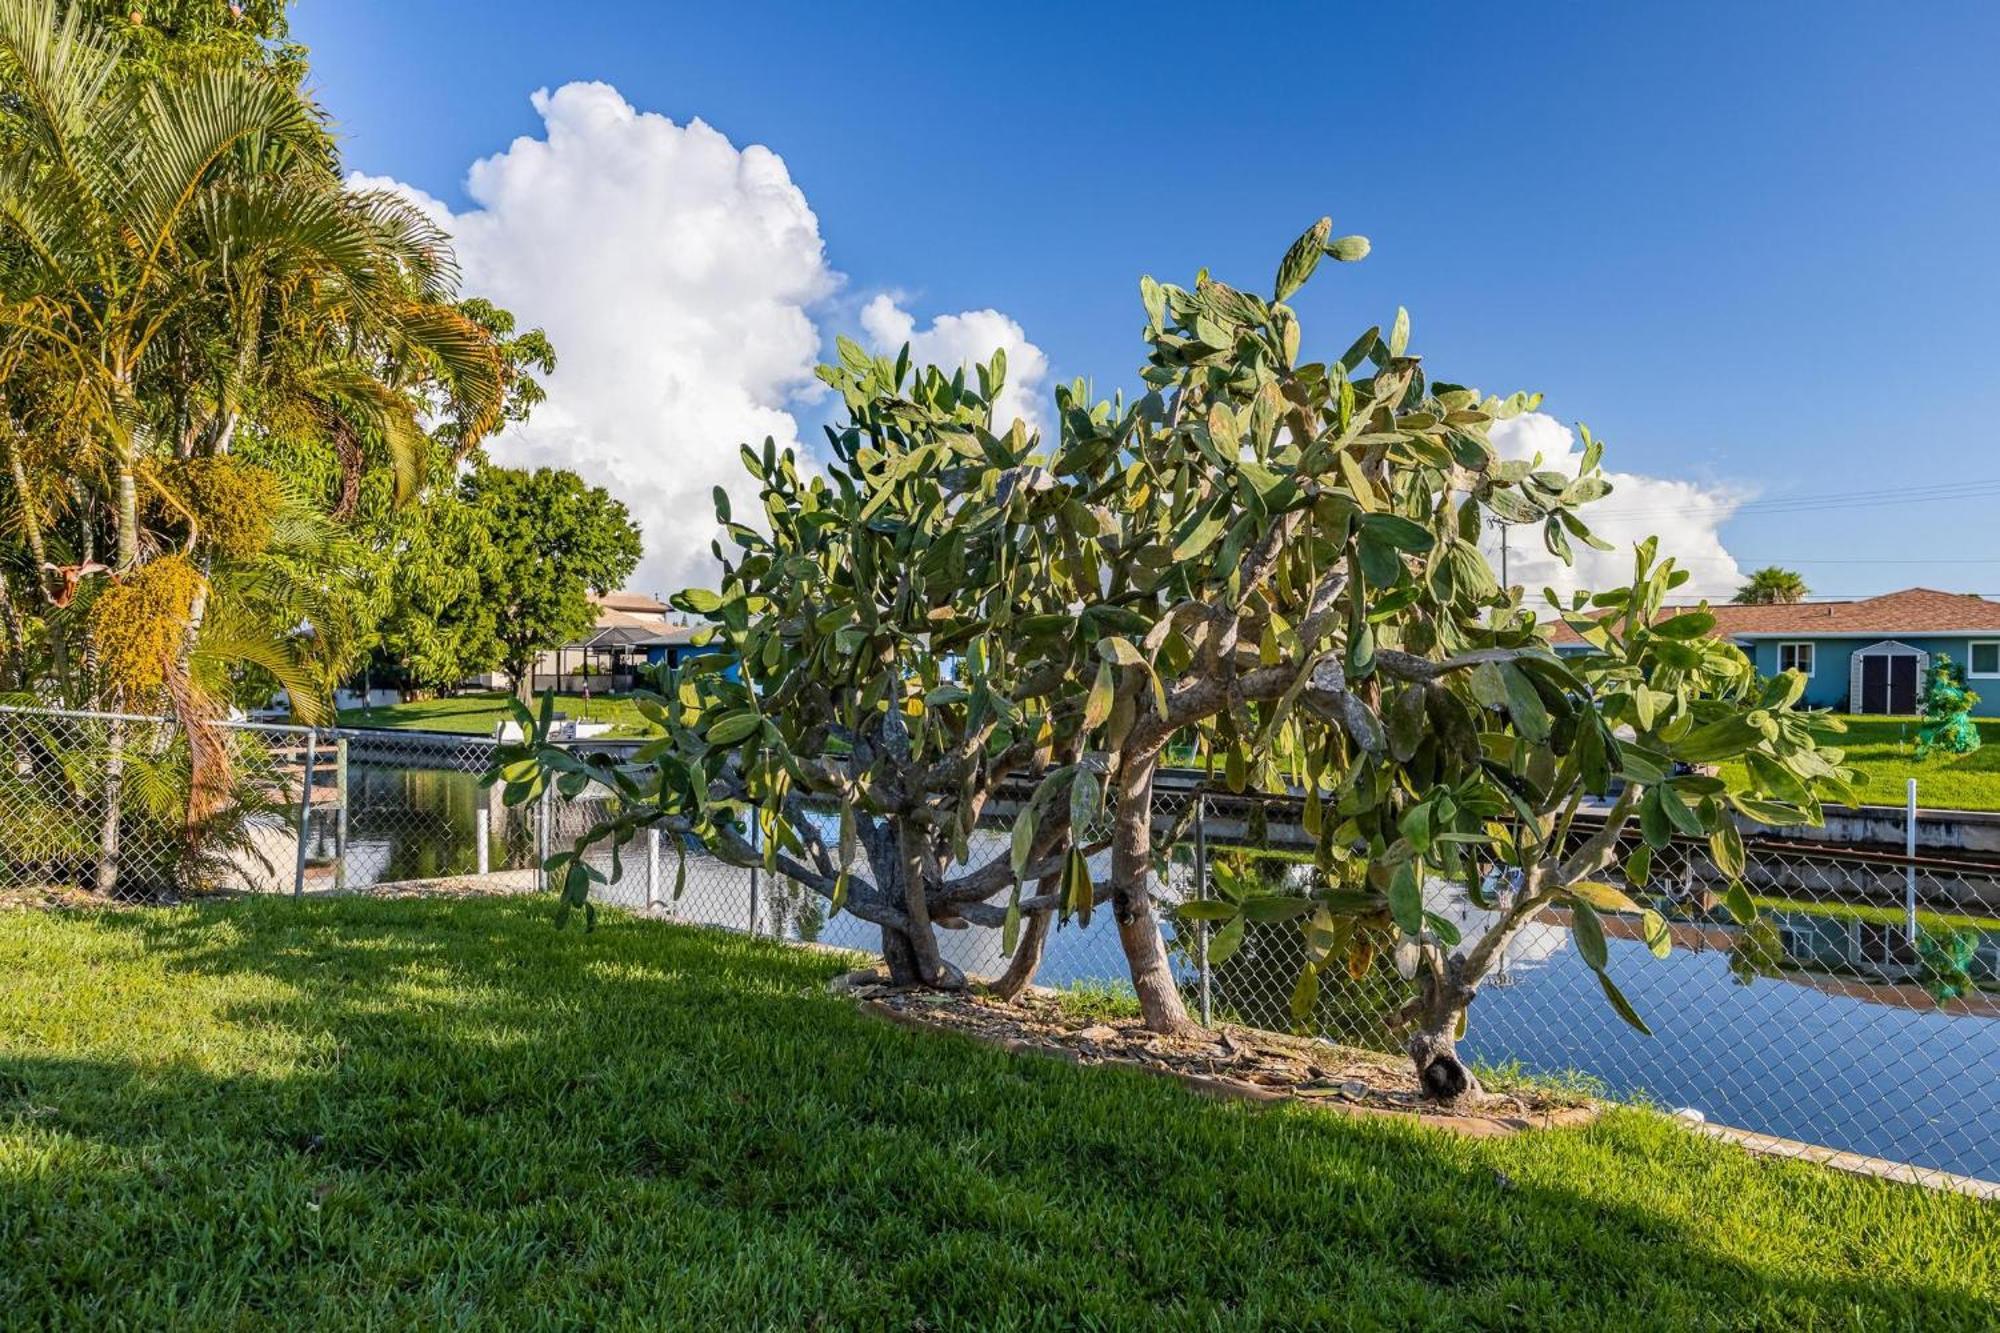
(475, 713)
(347, 1111)
(1881, 748)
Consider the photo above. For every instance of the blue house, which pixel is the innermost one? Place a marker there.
(633, 631)
(1867, 656)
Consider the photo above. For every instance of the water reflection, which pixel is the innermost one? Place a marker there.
(422, 823)
(1819, 1024)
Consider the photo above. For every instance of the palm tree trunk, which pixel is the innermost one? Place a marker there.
(128, 516)
(16, 674)
(31, 518)
(38, 551)
(108, 834)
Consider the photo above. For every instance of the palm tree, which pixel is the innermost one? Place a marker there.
(1771, 586)
(176, 254)
(172, 251)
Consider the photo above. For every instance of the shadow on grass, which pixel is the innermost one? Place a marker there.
(448, 1111)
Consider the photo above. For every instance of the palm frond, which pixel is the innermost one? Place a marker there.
(466, 357)
(377, 414)
(421, 247)
(293, 224)
(244, 645)
(189, 126)
(59, 70)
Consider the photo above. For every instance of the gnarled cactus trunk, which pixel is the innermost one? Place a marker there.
(1132, 902)
(1433, 1041)
(912, 951)
(1020, 973)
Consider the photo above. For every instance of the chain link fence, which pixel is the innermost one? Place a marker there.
(1860, 1011)
(133, 809)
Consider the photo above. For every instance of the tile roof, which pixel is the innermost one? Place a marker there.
(632, 619)
(1911, 611)
(630, 601)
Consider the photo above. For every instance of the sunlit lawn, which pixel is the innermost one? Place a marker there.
(476, 712)
(356, 1113)
(1883, 749)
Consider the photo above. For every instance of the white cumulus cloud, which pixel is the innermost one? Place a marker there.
(952, 341)
(1685, 515)
(676, 275)
(682, 280)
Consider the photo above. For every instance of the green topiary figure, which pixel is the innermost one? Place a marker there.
(1947, 710)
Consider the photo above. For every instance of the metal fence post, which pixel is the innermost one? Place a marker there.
(652, 868)
(1910, 863)
(542, 840)
(482, 835)
(305, 814)
(340, 816)
(1201, 891)
(753, 876)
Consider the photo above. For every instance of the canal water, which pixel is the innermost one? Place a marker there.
(1801, 1037)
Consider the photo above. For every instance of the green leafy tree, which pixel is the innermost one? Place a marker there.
(176, 38)
(1772, 586)
(1948, 709)
(443, 588)
(894, 656)
(554, 540)
(1270, 560)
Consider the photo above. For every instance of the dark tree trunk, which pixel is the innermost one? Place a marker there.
(901, 958)
(1434, 1051)
(1020, 973)
(911, 953)
(1132, 902)
(1433, 1044)
(916, 861)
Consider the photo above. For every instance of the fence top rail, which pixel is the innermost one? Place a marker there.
(415, 737)
(98, 715)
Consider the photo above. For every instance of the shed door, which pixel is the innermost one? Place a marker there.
(1902, 684)
(1889, 683)
(1875, 684)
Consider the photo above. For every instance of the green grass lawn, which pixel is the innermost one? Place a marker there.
(1881, 748)
(475, 713)
(352, 1112)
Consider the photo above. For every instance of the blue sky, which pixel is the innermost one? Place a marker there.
(1752, 245)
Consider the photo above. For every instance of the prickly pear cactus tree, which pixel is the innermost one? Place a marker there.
(891, 639)
(1300, 538)
(1265, 560)
(1948, 706)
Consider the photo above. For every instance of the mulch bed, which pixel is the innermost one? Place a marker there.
(1227, 1061)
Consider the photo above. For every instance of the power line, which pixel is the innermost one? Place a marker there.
(1987, 488)
(1788, 561)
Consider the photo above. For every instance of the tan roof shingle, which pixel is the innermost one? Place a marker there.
(1911, 611)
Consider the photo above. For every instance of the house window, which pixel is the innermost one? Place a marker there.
(1983, 658)
(1796, 657)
